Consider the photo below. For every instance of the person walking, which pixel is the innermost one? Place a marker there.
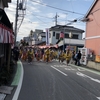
(30, 56)
(68, 56)
(79, 57)
(73, 57)
(47, 54)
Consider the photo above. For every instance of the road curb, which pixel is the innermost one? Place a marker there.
(18, 80)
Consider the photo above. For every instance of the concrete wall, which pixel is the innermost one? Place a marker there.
(93, 65)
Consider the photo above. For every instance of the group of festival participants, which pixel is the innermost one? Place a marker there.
(46, 55)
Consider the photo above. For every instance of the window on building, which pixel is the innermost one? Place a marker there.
(53, 33)
(66, 35)
(75, 36)
(57, 35)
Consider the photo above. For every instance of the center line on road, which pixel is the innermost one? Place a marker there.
(59, 71)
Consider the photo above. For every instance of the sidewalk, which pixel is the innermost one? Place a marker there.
(13, 84)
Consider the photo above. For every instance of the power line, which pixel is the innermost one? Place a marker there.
(53, 18)
(41, 16)
(57, 8)
(39, 19)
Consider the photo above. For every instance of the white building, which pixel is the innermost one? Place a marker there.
(76, 39)
(36, 37)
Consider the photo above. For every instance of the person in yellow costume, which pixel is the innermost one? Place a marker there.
(55, 54)
(38, 56)
(47, 54)
(30, 55)
(61, 56)
(68, 56)
(51, 54)
(24, 54)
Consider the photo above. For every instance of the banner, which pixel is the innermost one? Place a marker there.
(97, 58)
(47, 36)
(61, 35)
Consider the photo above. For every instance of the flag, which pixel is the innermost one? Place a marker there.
(47, 37)
(61, 36)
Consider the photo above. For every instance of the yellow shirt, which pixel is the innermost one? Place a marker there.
(47, 51)
(68, 57)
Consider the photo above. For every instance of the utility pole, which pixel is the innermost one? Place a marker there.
(16, 19)
(56, 19)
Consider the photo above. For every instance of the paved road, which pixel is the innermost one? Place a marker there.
(56, 81)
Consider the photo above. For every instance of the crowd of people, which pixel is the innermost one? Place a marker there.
(47, 55)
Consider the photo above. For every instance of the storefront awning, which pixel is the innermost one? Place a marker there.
(6, 35)
(6, 32)
(4, 19)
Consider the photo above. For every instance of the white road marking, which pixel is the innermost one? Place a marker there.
(83, 75)
(59, 71)
(59, 65)
(98, 98)
(69, 69)
(80, 69)
(15, 97)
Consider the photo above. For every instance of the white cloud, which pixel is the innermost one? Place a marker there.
(32, 22)
(61, 22)
(51, 15)
(30, 2)
(62, 15)
(25, 28)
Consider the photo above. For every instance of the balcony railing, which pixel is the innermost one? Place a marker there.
(72, 41)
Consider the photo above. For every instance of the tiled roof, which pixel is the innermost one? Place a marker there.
(65, 27)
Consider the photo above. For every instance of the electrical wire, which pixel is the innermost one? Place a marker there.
(56, 8)
(41, 16)
(39, 19)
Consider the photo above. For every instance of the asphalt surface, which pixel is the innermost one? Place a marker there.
(56, 81)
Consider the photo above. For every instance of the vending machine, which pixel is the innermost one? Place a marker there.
(85, 52)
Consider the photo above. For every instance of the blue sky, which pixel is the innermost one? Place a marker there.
(40, 16)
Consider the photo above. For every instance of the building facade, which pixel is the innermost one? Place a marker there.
(37, 37)
(75, 41)
(6, 36)
(93, 28)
